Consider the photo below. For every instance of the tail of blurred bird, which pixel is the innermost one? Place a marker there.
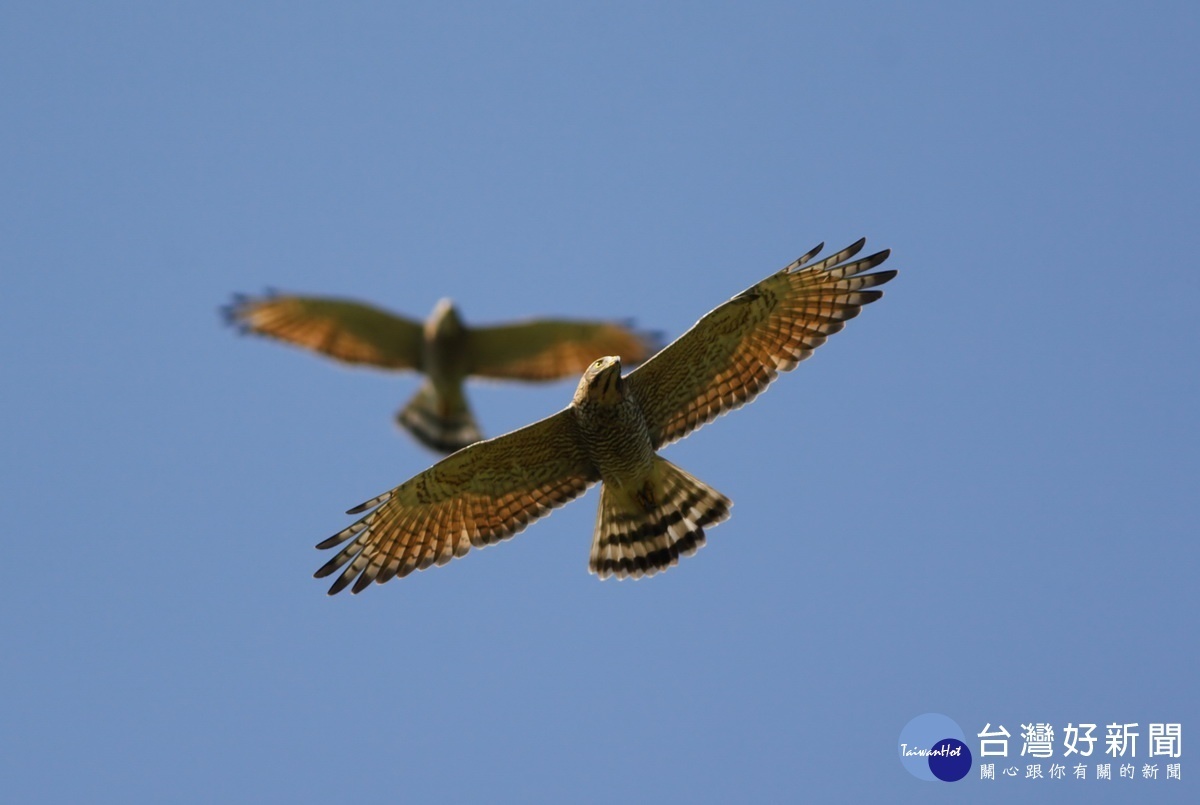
(441, 422)
(641, 532)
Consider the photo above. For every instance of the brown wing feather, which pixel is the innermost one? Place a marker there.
(348, 331)
(549, 349)
(729, 356)
(478, 496)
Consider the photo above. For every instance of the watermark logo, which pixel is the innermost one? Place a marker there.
(933, 747)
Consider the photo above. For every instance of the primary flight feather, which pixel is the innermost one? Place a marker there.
(651, 512)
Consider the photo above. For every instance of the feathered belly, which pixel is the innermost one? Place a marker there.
(617, 442)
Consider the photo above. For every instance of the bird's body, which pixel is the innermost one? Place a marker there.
(443, 346)
(651, 512)
(612, 425)
(444, 349)
(438, 415)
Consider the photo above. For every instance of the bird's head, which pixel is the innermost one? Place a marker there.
(602, 382)
(444, 320)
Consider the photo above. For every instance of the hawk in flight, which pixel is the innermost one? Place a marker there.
(444, 349)
(651, 512)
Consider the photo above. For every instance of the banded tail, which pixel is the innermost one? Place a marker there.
(645, 531)
(440, 422)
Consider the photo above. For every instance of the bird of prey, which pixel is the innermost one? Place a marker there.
(444, 349)
(651, 511)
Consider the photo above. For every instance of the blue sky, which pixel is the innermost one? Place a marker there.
(978, 500)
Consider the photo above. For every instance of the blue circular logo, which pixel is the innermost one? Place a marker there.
(950, 760)
(933, 747)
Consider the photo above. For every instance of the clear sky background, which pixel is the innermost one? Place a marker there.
(978, 500)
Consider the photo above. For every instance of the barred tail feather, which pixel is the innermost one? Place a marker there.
(440, 422)
(642, 532)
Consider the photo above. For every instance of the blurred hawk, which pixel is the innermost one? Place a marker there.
(444, 349)
(651, 512)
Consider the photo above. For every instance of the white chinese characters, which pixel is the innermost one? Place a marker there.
(1042, 740)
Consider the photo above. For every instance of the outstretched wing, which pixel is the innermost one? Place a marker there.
(731, 354)
(345, 330)
(478, 496)
(550, 348)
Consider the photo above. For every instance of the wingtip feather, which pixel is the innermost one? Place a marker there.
(231, 312)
